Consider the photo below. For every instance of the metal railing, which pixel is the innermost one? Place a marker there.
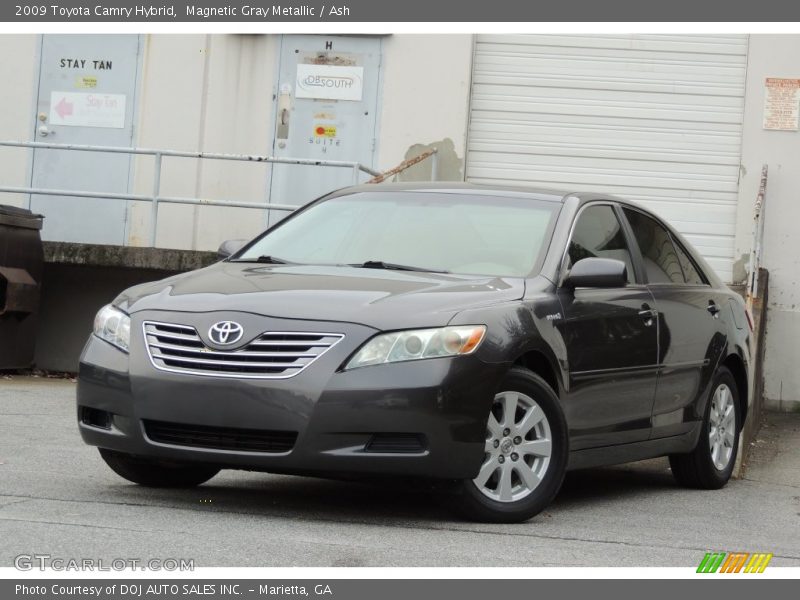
(155, 197)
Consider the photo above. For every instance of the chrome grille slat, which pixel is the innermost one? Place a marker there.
(180, 349)
(205, 352)
(171, 326)
(174, 336)
(229, 363)
(168, 326)
(295, 344)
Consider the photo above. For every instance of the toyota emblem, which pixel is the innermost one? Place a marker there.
(225, 333)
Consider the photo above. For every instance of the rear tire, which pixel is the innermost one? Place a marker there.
(152, 473)
(710, 464)
(525, 455)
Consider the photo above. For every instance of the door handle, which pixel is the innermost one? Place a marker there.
(648, 314)
(713, 309)
(284, 115)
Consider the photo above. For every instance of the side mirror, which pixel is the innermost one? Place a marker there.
(229, 247)
(597, 273)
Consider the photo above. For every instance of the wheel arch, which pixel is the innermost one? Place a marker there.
(735, 364)
(538, 362)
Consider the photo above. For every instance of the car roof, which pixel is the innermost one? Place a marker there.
(506, 191)
(458, 187)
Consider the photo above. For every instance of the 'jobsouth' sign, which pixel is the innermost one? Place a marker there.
(328, 82)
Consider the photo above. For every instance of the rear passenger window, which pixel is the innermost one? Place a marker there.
(690, 271)
(599, 234)
(658, 252)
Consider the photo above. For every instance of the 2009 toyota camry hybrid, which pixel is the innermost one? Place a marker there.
(487, 338)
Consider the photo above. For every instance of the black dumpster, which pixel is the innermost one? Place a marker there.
(21, 263)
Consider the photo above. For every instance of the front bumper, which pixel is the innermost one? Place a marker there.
(336, 415)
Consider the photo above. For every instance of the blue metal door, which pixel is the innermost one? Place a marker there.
(326, 108)
(87, 96)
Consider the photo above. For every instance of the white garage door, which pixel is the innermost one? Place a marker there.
(653, 118)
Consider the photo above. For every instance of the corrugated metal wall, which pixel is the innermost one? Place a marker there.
(654, 118)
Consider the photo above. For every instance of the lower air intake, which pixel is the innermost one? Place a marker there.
(396, 443)
(220, 438)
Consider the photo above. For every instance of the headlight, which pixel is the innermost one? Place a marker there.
(113, 326)
(417, 344)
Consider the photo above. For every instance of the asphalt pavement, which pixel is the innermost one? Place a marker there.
(57, 497)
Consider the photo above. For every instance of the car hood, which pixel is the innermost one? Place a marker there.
(377, 298)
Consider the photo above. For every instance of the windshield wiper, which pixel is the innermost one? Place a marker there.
(268, 260)
(380, 264)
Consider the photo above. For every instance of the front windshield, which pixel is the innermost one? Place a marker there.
(427, 231)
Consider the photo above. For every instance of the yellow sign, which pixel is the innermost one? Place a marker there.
(328, 131)
(86, 82)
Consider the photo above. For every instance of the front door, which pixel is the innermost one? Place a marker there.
(611, 340)
(87, 96)
(326, 109)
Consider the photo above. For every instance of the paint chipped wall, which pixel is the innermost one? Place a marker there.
(426, 80)
(773, 56)
(215, 93)
(211, 93)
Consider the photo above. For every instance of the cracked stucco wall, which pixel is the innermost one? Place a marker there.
(774, 56)
(211, 93)
(426, 81)
(450, 165)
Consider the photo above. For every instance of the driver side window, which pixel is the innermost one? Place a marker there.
(598, 233)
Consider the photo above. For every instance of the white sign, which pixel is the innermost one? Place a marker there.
(327, 82)
(87, 110)
(781, 104)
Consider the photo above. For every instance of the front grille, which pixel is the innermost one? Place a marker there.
(272, 355)
(220, 438)
(396, 443)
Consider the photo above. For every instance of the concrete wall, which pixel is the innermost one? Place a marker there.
(426, 92)
(17, 104)
(774, 56)
(210, 93)
(71, 296)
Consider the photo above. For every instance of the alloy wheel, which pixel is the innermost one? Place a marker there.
(518, 448)
(722, 427)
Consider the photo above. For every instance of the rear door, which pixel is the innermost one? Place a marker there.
(691, 333)
(611, 341)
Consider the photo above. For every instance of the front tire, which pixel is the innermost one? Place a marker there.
(525, 454)
(710, 465)
(152, 473)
